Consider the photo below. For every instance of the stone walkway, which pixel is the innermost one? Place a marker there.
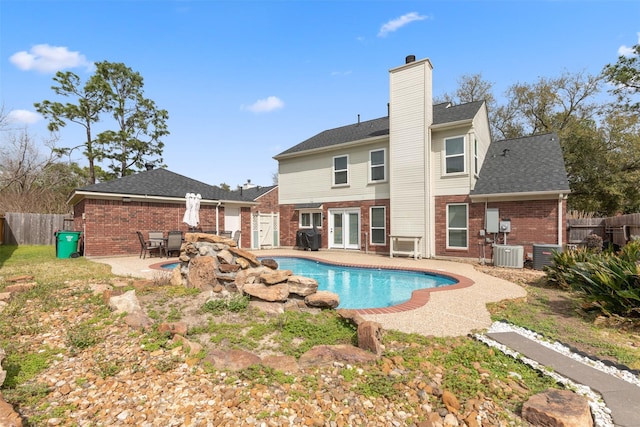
(621, 397)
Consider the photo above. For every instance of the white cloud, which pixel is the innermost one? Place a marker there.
(266, 105)
(627, 50)
(49, 59)
(341, 73)
(400, 22)
(23, 117)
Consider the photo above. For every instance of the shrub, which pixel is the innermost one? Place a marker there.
(594, 243)
(560, 273)
(609, 281)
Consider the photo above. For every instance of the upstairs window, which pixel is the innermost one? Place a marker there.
(377, 169)
(341, 170)
(454, 155)
(476, 169)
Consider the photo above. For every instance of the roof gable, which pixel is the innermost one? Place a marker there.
(161, 183)
(523, 165)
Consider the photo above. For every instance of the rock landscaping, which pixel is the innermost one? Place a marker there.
(115, 373)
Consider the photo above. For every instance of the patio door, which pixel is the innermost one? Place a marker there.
(344, 228)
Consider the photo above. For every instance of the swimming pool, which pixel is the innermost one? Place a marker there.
(361, 287)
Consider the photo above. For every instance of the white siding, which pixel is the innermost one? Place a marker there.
(309, 179)
(410, 117)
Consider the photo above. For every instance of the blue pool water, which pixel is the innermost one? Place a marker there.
(362, 287)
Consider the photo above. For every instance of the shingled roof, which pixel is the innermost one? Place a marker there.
(442, 113)
(254, 192)
(532, 164)
(162, 183)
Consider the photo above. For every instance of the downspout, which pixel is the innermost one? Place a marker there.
(217, 222)
(560, 221)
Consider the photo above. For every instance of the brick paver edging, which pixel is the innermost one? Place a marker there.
(419, 297)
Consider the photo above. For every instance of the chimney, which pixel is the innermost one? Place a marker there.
(409, 59)
(148, 166)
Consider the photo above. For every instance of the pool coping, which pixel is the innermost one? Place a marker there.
(419, 297)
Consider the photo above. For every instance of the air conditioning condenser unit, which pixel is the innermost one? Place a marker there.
(508, 256)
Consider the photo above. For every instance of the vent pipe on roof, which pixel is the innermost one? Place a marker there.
(358, 119)
(148, 166)
(409, 59)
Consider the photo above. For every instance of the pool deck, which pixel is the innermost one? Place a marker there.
(449, 311)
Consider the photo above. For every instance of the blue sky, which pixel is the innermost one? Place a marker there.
(245, 80)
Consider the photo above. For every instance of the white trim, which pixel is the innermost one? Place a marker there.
(384, 166)
(466, 229)
(335, 147)
(384, 228)
(311, 213)
(334, 171)
(445, 157)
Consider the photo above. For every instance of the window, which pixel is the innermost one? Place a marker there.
(377, 225)
(310, 219)
(377, 171)
(341, 170)
(454, 155)
(457, 226)
(476, 170)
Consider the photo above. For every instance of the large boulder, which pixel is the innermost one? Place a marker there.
(8, 416)
(557, 408)
(275, 277)
(326, 355)
(370, 337)
(322, 299)
(267, 293)
(301, 285)
(202, 273)
(233, 360)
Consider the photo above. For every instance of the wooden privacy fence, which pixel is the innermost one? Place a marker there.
(615, 229)
(33, 229)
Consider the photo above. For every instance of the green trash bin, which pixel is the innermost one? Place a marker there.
(66, 243)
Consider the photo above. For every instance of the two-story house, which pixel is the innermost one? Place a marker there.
(425, 180)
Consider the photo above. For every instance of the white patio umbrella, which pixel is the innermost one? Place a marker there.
(190, 218)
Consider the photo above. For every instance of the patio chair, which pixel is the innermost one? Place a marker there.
(236, 237)
(146, 248)
(174, 242)
(156, 238)
(226, 234)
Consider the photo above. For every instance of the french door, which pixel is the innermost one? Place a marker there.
(344, 228)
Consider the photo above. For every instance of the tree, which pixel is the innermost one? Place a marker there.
(624, 75)
(90, 103)
(114, 89)
(224, 186)
(548, 105)
(140, 125)
(34, 181)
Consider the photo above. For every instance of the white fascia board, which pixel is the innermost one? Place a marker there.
(332, 147)
(79, 195)
(447, 125)
(504, 197)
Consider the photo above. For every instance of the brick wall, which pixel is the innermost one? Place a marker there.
(290, 223)
(110, 226)
(268, 202)
(532, 222)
